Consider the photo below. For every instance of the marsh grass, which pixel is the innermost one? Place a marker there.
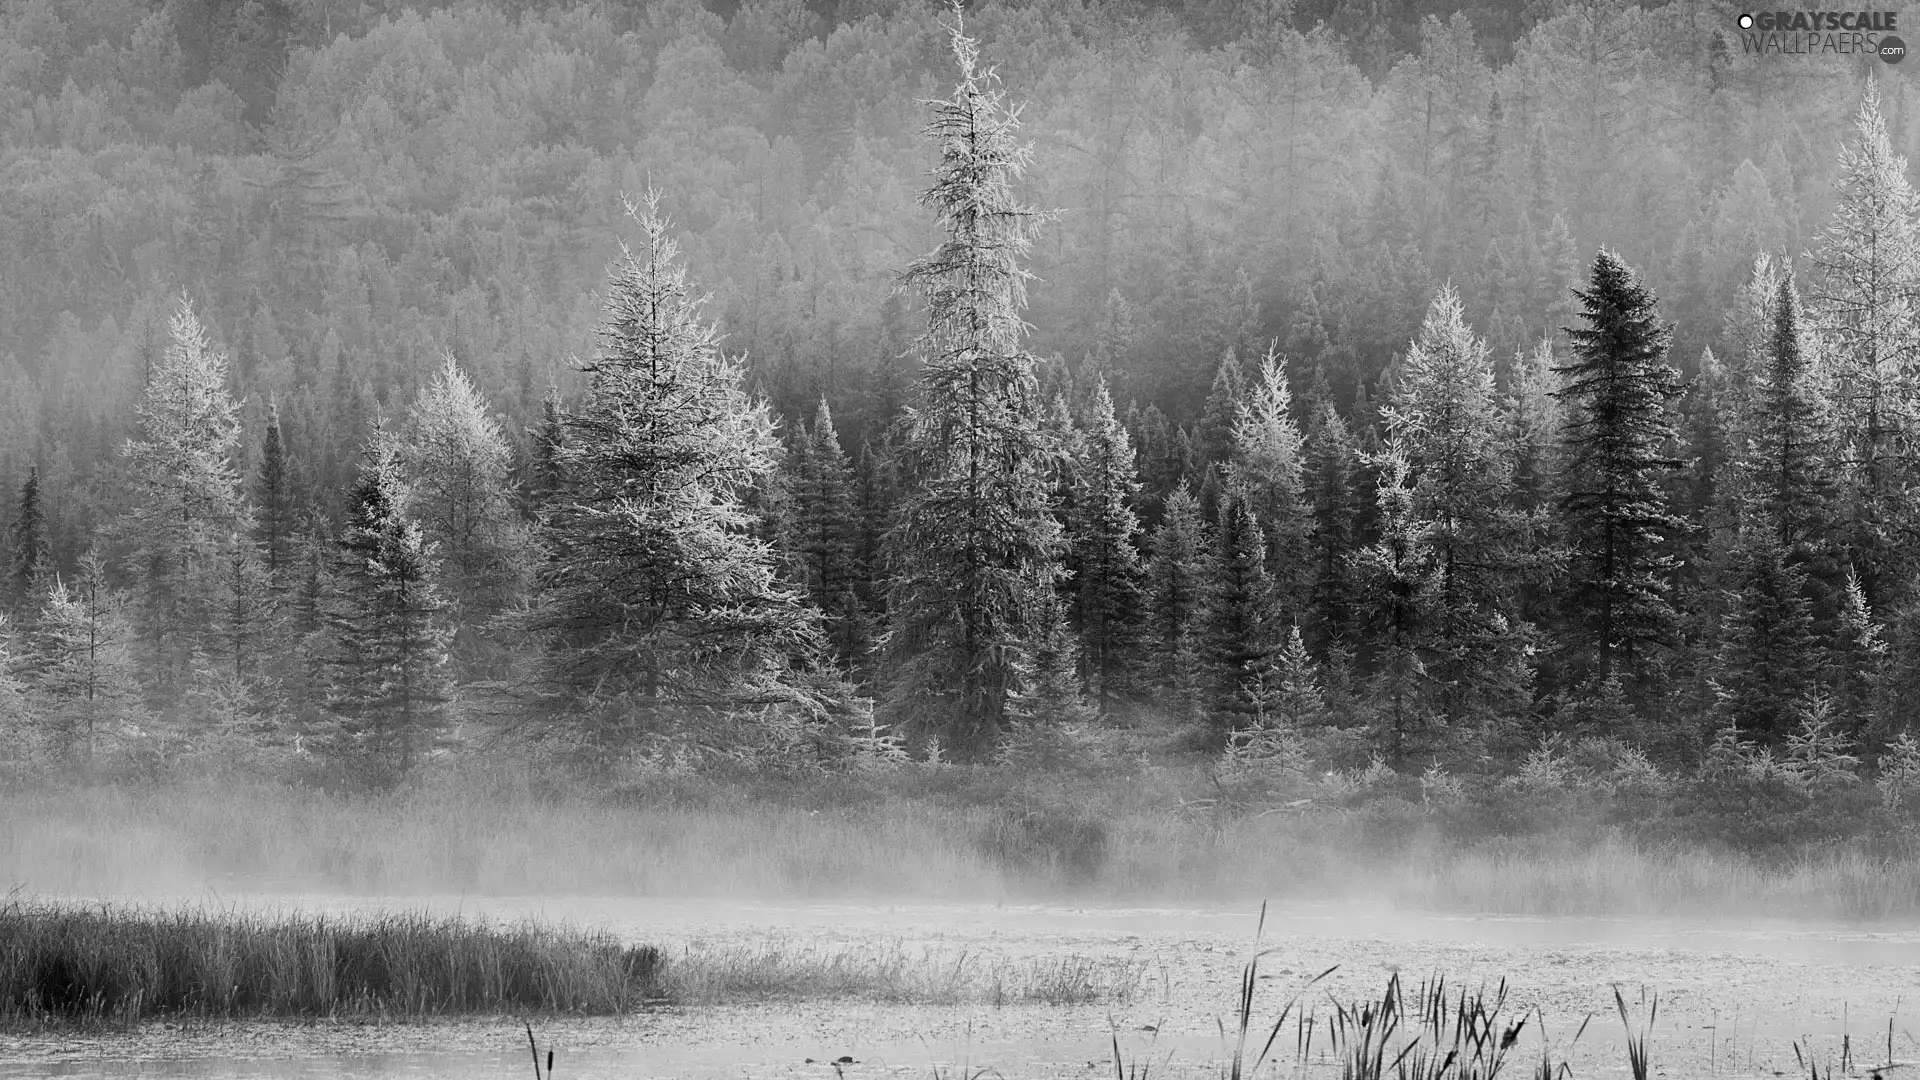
(68, 963)
(895, 975)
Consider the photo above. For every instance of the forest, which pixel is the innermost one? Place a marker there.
(1370, 389)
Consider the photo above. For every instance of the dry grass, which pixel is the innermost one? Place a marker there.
(895, 975)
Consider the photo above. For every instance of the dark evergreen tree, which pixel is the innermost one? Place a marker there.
(1615, 452)
(28, 543)
(1178, 577)
(1331, 492)
(1787, 484)
(975, 552)
(825, 535)
(387, 689)
(1769, 657)
(274, 506)
(1240, 636)
(1104, 533)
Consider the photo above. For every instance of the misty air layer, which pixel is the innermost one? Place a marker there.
(1460, 458)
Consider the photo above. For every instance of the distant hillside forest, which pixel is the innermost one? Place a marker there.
(846, 380)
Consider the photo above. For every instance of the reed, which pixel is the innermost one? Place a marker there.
(68, 963)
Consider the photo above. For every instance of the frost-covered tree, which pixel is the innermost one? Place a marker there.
(1615, 449)
(976, 549)
(1395, 578)
(1444, 417)
(187, 501)
(1105, 534)
(387, 689)
(657, 606)
(79, 669)
(1864, 297)
(457, 465)
(1264, 470)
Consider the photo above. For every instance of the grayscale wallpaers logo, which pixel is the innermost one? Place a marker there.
(1805, 33)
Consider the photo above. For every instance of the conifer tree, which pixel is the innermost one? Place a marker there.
(1612, 509)
(657, 606)
(387, 689)
(456, 462)
(1395, 577)
(1787, 486)
(1768, 655)
(975, 551)
(1265, 472)
(31, 558)
(1864, 310)
(1215, 443)
(1298, 699)
(273, 518)
(1179, 574)
(245, 628)
(187, 496)
(1105, 535)
(1240, 635)
(1856, 656)
(545, 479)
(1331, 493)
(1443, 416)
(825, 535)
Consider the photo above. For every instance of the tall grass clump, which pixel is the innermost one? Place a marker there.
(67, 963)
(780, 971)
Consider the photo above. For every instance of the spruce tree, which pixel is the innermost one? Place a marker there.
(1786, 483)
(457, 462)
(1768, 657)
(1864, 310)
(1855, 657)
(975, 550)
(273, 518)
(1443, 416)
(544, 479)
(658, 609)
(1105, 535)
(27, 536)
(1179, 574)
(1240, 634)
(387, 689)
(187, 501)
(1214, 445)
(824, 528)
(1331, 491)
(1612, 509)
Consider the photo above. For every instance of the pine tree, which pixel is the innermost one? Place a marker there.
(657, 606)
(273, 519)
(80, 669)
(545, 480)
(1240, 635)
(243, 636)
(187, 496)
(1105, 536)
(1265, 472)
(1855, 658)
(1443, 416)
(1612, 509)
(387, 689)
(1869, 276)
(974, 554)
(1395, 578)
(32, 560)
(456, 461)
(825, 535)
(1299, 699)
(1214, 445)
